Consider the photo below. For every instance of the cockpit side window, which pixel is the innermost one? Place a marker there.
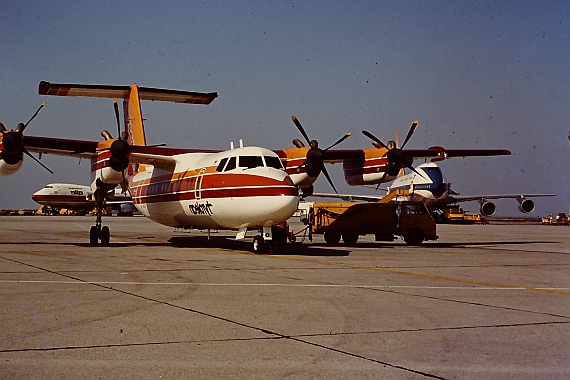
(221, 165)
(273, 162)
(231, 164)
(250, 162)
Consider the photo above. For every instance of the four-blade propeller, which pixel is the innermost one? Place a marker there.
(314, 163)
(13, 142)
(397, 157)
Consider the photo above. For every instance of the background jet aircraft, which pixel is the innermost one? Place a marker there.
(79, 197)
(426, 184)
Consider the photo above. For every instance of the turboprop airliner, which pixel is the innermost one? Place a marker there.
(426, 184)
(241, 189)
(79, 197)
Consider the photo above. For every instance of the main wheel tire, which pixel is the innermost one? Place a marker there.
(93, 235)
(105, 235)
(332, 237)
(259, 245)
(414, 237)
(350, 237)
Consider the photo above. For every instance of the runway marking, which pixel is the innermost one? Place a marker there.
(78, 282)
(560, 291)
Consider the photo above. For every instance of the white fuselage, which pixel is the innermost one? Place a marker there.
(204, 191)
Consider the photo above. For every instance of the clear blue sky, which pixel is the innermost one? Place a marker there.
(483, 74)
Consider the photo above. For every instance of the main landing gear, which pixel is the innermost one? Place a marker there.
(99, 232)
(271, 237)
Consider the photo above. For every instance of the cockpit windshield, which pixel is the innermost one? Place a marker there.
(273, 162)
(249, 162)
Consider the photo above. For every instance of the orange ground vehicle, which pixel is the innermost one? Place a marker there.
(349, 220)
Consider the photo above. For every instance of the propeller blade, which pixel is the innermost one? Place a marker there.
(23, 126)
(415, 171)
(410, 133)
(300, 128)
(374, 138)
(328, 177)
(382, 179)
(340, 140)
(38, 161)
(116, 106)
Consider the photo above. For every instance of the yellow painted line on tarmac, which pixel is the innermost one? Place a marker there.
(425, 275)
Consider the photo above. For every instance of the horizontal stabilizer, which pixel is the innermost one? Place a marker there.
(122, 92)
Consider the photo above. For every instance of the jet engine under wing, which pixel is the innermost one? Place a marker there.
(122, 92)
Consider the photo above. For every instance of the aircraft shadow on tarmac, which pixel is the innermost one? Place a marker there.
(294, 249)
(246, 245)
(435, 245)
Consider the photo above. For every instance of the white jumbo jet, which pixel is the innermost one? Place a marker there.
(427, 185)
(80, 197)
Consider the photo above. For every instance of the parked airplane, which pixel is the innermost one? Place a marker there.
(426, 184)
(239, 189)
(80, 197)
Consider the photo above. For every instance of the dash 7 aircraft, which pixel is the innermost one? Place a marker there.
(241, 189)
(426, 184)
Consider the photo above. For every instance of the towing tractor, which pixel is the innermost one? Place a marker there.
(350, 220)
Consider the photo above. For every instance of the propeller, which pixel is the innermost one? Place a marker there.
(13, 142)
(314, 163)
(397, 157)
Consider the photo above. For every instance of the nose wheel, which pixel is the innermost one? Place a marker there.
(97, 233)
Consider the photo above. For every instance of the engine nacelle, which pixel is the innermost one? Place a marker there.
(526, 205)
(488, 209)
(8, 169)
(106, 178)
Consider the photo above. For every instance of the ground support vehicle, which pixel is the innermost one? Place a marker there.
(349, 220)
(556, 219)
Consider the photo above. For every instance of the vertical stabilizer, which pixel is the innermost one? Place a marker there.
(133, 118)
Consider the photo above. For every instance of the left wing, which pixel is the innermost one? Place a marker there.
(481, 198)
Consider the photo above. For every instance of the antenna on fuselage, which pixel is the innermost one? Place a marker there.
(231, 145)
(240, 143)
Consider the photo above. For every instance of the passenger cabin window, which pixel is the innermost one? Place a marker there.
(221, 165)
(250, 162)
(274, 162)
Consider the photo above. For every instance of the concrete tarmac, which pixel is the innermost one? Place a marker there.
(482, 302)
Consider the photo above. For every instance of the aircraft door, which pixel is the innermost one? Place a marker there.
(198, 184)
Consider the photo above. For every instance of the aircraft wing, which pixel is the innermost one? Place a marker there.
(450, 153)
(158, 161)
(61, 147)
(458, 198)
(450, 199)
(88, 149)
(349, 197)
(434, 152)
